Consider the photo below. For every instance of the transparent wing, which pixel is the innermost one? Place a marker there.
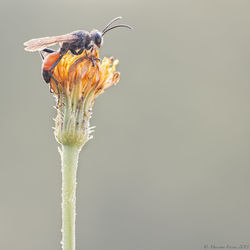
(41, 43)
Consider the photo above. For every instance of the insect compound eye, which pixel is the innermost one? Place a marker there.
(98, 39)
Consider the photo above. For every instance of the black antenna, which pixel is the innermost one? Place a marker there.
(115, 19)
(117, 26)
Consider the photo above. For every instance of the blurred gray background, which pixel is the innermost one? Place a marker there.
(169, 165)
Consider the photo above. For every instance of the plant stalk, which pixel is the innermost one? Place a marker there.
(69, 157)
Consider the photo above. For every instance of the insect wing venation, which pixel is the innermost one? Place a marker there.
(42, 43)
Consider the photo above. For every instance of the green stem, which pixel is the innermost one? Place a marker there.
(69, 156)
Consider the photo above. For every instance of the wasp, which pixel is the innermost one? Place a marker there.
(76, 42)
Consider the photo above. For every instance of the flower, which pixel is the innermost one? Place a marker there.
(80, 80)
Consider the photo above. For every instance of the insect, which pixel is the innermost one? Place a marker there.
(75, 42)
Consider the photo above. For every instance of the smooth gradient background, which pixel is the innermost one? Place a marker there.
(169, 165)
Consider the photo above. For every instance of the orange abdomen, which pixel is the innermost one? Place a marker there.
(47, 64)
(50, 60)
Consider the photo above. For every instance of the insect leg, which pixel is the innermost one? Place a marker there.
(91, 58)
(49, 50)
(57, 88)
(41, 54)
(76, 52)
(46, 50)
(51, 74)
(55, 63)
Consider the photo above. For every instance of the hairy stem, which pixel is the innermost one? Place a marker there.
(69, 156)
